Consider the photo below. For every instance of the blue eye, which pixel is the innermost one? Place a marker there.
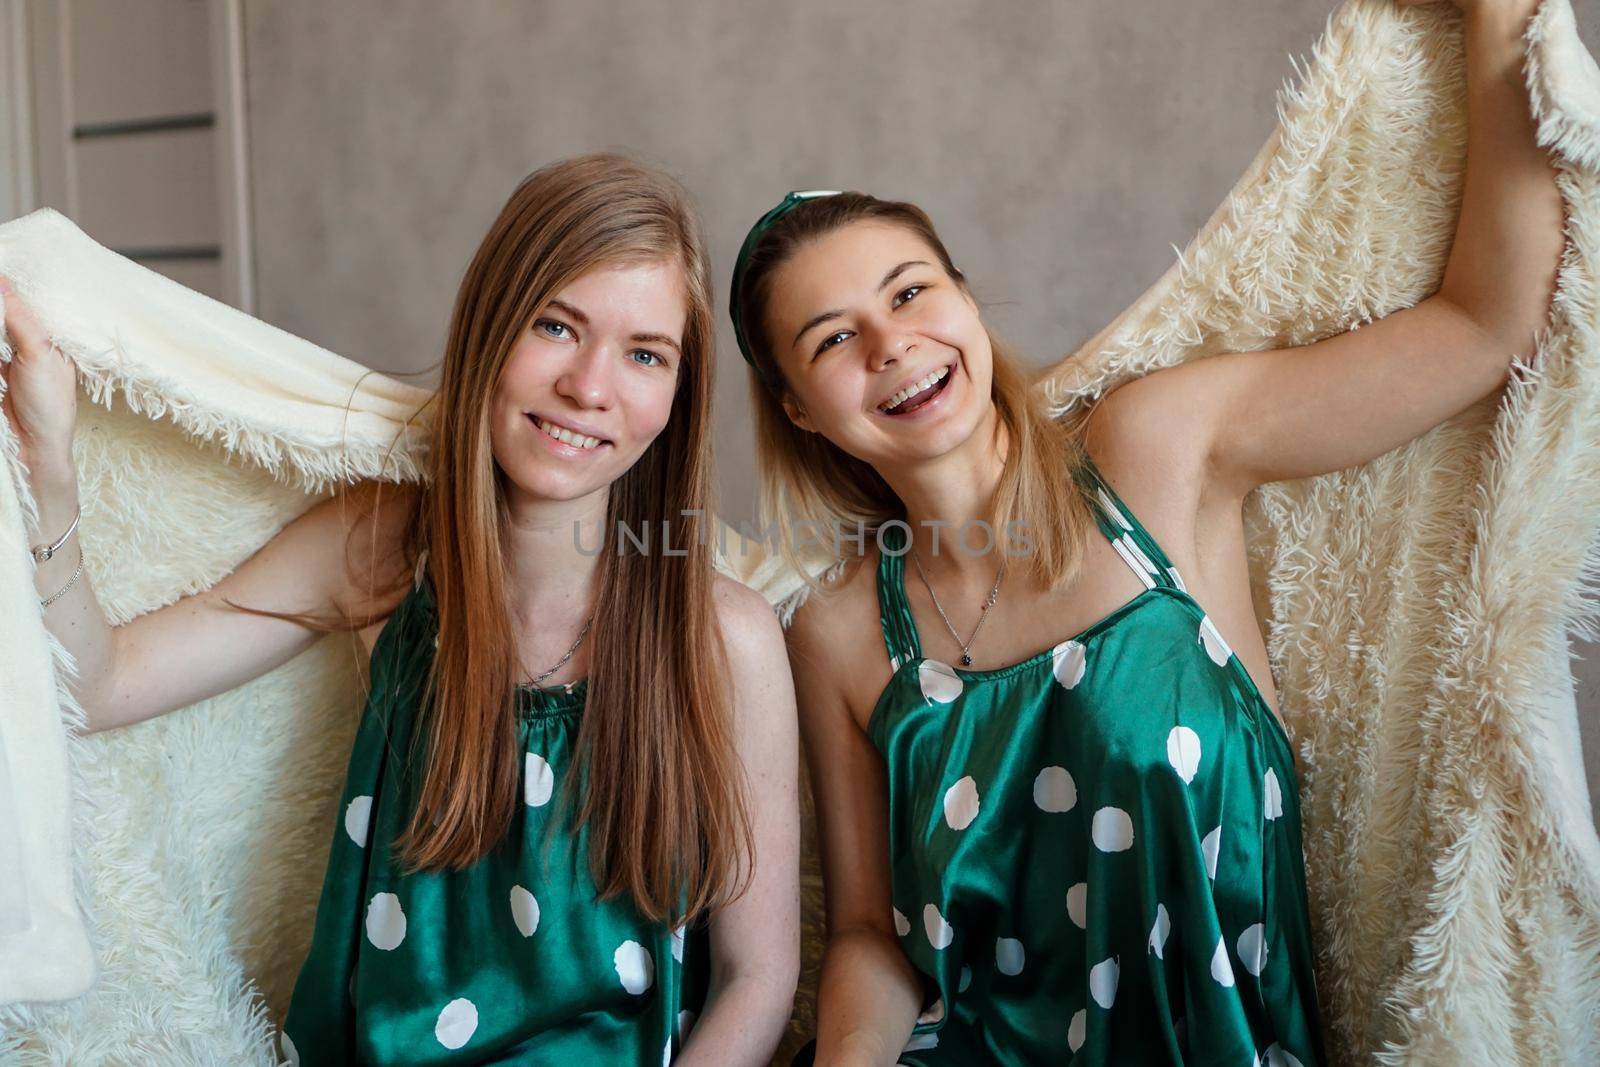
(831, 340)
(550, 325)
(908, 293)
(650, 354)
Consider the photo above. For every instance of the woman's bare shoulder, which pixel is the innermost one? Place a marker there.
(375, 521)
(834, 633)
(1152, 457)
(838, 591)
(744, 617)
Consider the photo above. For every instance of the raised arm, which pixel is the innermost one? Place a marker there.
(1297, 412)
(199, 646)
(755, 941)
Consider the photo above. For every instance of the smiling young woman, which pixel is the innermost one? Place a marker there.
(1082, 843)
(569, 826)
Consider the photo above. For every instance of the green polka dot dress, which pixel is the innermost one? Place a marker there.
(1096, 851)
(511, 961)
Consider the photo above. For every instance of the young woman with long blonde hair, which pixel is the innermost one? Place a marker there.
(1056, 808)
(568, 832)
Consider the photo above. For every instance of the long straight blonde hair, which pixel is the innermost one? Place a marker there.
(809, 483)
(663, 799)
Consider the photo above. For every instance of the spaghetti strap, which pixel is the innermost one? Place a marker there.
(1128, 535)
(894, 611)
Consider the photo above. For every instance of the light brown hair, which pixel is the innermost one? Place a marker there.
(806, 479)
(662, 789)
(663, 801)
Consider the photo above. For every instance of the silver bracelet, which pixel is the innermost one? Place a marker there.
(59, 593)
(42, 553)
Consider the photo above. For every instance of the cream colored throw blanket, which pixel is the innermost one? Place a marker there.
(159, 882)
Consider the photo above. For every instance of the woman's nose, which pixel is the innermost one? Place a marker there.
(890, 345)
(587, 379)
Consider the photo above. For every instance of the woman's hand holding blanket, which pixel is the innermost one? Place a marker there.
(201, 645)
(41, 397)
(40, 385)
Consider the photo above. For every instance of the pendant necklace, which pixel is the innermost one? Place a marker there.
(983, 612)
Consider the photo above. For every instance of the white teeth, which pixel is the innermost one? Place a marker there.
(914, 388)
(566, 436)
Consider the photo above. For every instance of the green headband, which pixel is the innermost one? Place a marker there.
(751, 239)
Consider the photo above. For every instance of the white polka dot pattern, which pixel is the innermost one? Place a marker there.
(1054, 791)
(1068, 661)
(1008, 956)
(386, 922)
(1277, 1057)
(457, 1023)
(538, 781)
(1183, 752)
(1078, 905)
(939, 932)
(1252, 946)
(961, 804)
(635, 969)
(1221, 967)
(1112, 830)
(1159, 932)
(1103, 982)
(939, 682)
(1209, 847)
(1096, 758)
(524, 911)
(358, 819)
(1076, 1031)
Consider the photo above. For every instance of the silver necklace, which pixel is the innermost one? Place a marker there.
(562, 661)
(983, 612)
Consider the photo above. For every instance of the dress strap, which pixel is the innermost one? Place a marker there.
(1127, 534)
(894, 610)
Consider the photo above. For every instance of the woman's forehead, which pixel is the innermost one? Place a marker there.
(648, 296)
(848, 263)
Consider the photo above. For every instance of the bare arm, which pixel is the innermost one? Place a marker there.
(755, 941)
(1297, 412)
(869, 993)
(199, 646)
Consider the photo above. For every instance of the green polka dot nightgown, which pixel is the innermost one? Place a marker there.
(511, 961)
(1096, 851)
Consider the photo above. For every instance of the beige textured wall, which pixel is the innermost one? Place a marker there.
(1062, 147)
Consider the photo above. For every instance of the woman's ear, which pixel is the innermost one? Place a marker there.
(796, 413)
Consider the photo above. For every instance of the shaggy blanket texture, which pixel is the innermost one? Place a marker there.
(1416, 608)
(200, 837)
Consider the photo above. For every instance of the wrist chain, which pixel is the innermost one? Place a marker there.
(59, 593)
(44, 553)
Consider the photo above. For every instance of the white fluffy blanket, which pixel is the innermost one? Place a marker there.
(1416, 608)
(200, 838)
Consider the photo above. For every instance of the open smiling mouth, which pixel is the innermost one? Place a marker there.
(571, 438)
(918, 394)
